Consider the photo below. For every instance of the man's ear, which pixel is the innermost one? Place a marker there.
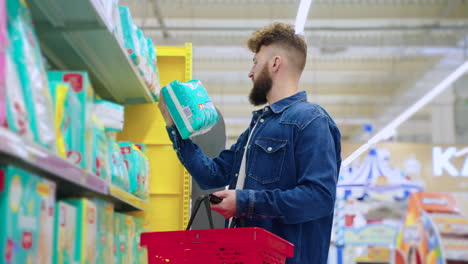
(277, 61)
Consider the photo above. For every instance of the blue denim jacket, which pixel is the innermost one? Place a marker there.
(292, 168)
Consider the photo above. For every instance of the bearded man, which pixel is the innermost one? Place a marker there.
(282, 171)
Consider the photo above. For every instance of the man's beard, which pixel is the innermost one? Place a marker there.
(261, 88)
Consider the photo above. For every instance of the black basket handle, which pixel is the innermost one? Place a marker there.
(205, 199)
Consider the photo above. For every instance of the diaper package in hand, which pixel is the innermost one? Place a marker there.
(191, 108)
(27, 204)
(86, 242)
(105, 232)
(80, 105)
(27, 58)
(65, 233)
(17, 114)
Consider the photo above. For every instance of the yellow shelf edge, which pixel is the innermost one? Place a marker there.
(170, 51)
(128, 198)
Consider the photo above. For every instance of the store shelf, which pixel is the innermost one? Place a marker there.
(73, 36)
(71, 180)
(126, 201)
(14, 150)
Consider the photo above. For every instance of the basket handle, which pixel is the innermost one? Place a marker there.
(202, 199)
(239, 222)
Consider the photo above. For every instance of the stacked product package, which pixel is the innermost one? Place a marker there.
(27, 202)
(29, 102)
(140, 50)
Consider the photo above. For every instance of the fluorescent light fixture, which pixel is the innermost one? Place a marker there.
(301, 17)
(388, 129)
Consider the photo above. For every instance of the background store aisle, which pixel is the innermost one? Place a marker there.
(368, 59)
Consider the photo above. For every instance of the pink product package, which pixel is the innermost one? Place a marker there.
(3, 45)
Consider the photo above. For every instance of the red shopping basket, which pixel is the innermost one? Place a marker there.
(250, 245)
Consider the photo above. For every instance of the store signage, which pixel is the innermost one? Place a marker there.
(441, 161)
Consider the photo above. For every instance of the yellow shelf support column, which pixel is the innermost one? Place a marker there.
(170, 184)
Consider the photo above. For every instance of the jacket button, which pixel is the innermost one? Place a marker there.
(262, 120)
(269, 149)
(173, 132)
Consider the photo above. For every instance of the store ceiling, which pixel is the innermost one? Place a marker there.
(368, 59)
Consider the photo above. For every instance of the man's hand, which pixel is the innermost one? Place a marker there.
(165, 112)
(227, 208)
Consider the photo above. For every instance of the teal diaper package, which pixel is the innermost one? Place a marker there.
(79, 137)
(86, 221)
(27, 59)
(132, 162)
(129, 34)
(154, 86)
(190, 107)
(16, 112)
(119, 172)
(105, 232)
(100, 152)
(140, 253)
(27, 203)
(65, 233)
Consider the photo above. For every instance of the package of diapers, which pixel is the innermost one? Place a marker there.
(65, 233)
(140, 253)
(191, 108)
(119, 172)
(27, 58)
(105, 232)
(111, 115)
(59, 92)
(131, 42)
(100, 156)
(27, 203)
(133, 164)
(124, 233)
(79, 105)
(154, 86)
(86, 221)
(17, 114)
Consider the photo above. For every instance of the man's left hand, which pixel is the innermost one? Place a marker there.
(227, 208)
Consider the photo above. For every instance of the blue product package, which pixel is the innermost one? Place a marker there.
(190, 107)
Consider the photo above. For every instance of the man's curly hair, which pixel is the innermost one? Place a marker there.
(283, 35)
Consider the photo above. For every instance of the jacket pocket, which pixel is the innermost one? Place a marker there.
(267, 160)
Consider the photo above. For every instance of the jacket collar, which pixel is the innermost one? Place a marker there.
(284, 103)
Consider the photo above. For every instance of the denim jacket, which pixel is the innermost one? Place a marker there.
(292, 167)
